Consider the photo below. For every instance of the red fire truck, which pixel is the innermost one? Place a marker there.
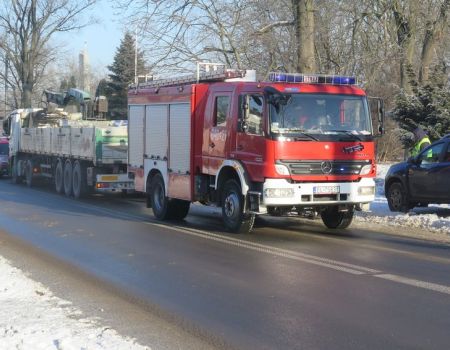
(295, 145)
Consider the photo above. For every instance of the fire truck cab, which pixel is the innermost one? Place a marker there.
(294, 145)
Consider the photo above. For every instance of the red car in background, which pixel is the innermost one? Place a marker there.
(4, 155)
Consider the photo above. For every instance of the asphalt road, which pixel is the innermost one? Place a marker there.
(291, 284)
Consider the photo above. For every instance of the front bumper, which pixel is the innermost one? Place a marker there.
(279, 192)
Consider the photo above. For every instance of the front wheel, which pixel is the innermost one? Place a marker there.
(396, 198)
(16, 178)
(29, 173)
(333, 218)
(233, 215)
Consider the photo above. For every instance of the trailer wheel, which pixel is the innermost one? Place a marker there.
(29, 173)
(59, 177)
(158, 199)
(233, 215)
(178, 209)
(332, 218)
(78, 180)
(68, 178)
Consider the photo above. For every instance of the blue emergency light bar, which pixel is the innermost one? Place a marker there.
(311, 79)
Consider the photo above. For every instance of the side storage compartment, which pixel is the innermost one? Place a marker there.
(136, 145)
(180, 151)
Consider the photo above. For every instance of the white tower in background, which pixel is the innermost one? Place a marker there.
(83, 70)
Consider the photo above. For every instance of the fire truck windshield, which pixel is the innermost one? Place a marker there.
(333, 116)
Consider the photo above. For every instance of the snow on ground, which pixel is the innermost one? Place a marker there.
(435, 218)
(31, 317)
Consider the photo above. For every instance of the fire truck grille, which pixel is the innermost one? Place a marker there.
(325, 167)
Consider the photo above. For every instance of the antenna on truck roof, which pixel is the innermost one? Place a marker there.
(206, 72)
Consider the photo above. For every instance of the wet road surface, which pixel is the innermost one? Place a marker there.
(291, 284)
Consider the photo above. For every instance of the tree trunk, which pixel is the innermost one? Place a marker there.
(304, 33)
(432, 36)
(405, 41)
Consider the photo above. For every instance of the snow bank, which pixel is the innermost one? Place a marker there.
(32, 318)
(434, 218)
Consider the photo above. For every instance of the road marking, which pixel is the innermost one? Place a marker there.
(416, 283)
(289, 254)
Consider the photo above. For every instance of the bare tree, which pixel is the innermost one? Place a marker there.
(26, 28)
(303, 11)
(434, 31)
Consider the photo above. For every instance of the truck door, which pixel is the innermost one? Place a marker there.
(216, 130)
(250, 140)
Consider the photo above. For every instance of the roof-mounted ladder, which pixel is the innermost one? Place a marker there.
(206, 72)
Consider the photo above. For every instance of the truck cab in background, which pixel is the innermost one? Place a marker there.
(294, 145)
(4, 156)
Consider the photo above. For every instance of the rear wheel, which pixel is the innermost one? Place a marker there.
(233, 215)
(179, 209)
(79, 186)
(68, 178)
(396, 198)
(158, 200)
(333, 218)
(59, 176)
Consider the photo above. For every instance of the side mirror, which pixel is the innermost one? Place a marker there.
(276, 97)
(245, 107)
(6, 127)
(376, 106)
(412, 160)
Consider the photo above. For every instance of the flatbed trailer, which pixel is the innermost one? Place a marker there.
(76, 156)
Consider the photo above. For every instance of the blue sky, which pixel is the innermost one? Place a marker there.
(101, 40)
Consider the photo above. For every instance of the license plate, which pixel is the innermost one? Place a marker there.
(109, 178)
(326, 189)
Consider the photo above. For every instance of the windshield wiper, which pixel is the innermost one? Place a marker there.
(300, 135)
(348, 133)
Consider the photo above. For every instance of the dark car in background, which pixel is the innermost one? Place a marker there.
(4, 155)
(420, 180)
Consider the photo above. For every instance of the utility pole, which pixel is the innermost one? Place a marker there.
(6, 83)
(135, 58)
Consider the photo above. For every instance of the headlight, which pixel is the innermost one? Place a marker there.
(366, 190)
(365, 169)
(279, 192)
(282, 169)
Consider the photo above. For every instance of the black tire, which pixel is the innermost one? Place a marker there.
(79, 185)
(16, 179)
(59, 177)
(158, 200)
(178, 209)
(68, 178)
(333, 218)
(233, 215)
(397, 198)
(29, 173)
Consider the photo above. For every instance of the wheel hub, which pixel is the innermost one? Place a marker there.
(230, 206)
